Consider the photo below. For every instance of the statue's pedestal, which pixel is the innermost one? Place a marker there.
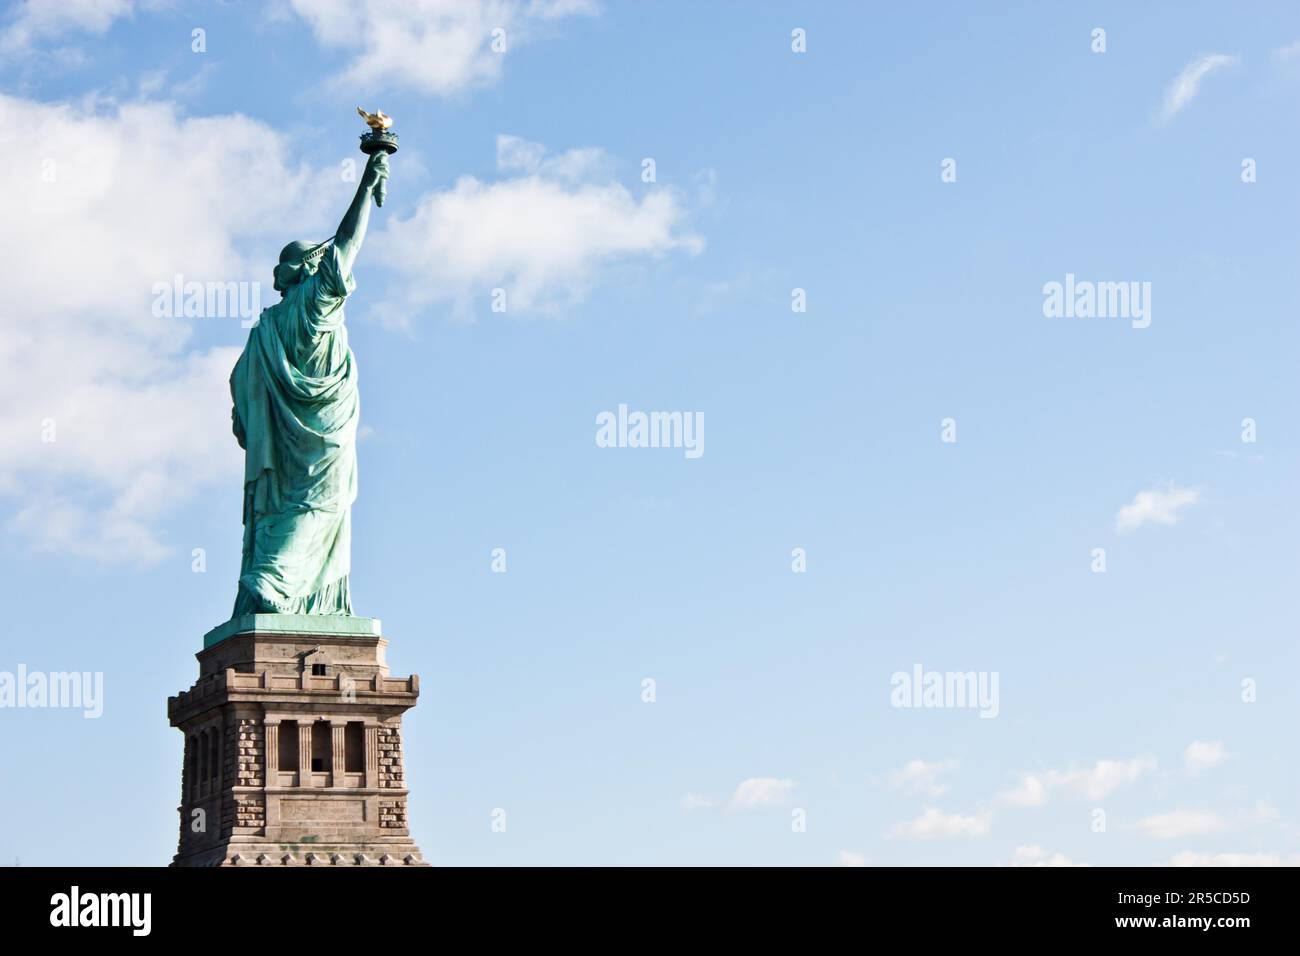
(293, 750)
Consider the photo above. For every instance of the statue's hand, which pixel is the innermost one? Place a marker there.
(376, 175)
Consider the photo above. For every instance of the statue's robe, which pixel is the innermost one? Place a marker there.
(295, 415)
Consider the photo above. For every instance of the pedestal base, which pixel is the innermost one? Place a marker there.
(293, 751)
(279, 854)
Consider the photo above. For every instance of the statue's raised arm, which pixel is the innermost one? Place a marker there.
(352, 230)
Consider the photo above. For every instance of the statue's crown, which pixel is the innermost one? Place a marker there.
(317, 252)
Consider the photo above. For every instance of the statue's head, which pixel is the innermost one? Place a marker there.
(298, 260)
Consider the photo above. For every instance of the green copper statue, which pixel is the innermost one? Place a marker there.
(295, 415)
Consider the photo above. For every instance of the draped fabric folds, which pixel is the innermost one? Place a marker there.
(295, 415)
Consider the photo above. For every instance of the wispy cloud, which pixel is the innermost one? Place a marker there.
(1264, 812)
(1185, 85)
(540, 233)
(922, 776)
(1181, 823)
(1156, 506)
(752, 793)
(1288, 52)
(1203, 755)
(759, 792)
(696, 801)
(1191, 858)
(1037, 856)
(849, 858)
(1035, 788)
(35, 20)
(935, 824)
(432, 46)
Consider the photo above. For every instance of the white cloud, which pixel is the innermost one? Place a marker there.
(1030, 791)
(119, 198)
(1106, 776)
(1037, 856)
(1288, 52)
(432, 46)
(1034, 788)
(1183, 89)
(1191, 858)
(759, 792)
(752, 794)
(35, 20)
(695, 801)
(1203, 755)
(849, 858)
(518, 155)
(1156, 506)
(921, 776)
(1264, 812)
(934, 823)
(1181, 823)
(540, 236)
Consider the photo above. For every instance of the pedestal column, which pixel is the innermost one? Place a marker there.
(304, 753)
(272, 776)
(337, 765)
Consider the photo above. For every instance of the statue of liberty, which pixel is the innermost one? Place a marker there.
(295, 415)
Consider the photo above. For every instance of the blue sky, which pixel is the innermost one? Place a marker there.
(129, 158)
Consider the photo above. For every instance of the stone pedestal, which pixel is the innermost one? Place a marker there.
(293, 747)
